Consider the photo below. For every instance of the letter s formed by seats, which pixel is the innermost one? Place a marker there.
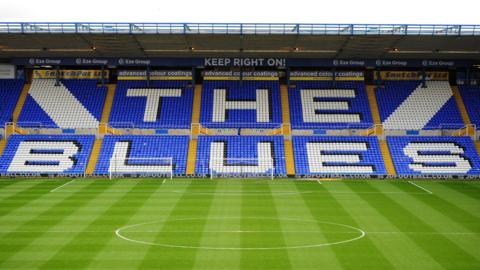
(437, 157)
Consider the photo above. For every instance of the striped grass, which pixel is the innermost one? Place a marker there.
(239, 224)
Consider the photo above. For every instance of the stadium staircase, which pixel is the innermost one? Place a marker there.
(21, 102)
(92, 162)
(463, 110)
(287, 132)
(3, 142)
(372, 100)
(107, 108)
(387, 157)
(195, 130)
(477, 146)
(103, 129)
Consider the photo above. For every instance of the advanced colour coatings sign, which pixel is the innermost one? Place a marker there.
(239, 62)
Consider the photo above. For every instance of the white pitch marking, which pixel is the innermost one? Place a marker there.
(428, 233)
(361, 232)
(237, 231)
(53, 190)
(318, 181)
(420, 187)
(257, 193)
(163, 182)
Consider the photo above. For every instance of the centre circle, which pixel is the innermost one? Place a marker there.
(239, 233)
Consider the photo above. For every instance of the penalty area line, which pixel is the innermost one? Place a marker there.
(59, 187)
(420, 187)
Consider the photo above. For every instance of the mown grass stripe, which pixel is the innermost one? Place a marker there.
(44, 221)
(465, 188)
(5, 183)
(222, 206)
(294, 207)
(447, 209)
(74, 223)
(190, 205)
(159, 205)
(437, 246)
(261, 206)
(394, 247)
(120, 210)
(24, 196)
(458, 198)
(360, 254)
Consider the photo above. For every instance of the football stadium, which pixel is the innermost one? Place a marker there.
(239, 146)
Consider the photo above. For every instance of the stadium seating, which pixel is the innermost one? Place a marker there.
(75, 103)
(407, 105)
(337, 155)
(169, 104)
(9, 92)
(46, 154)
(434, 155)
(78, 103)
(327, 104)
(471, 99)
(241, 104)
(143, 154)
(240, 155)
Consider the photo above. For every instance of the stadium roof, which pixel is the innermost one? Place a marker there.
(347, 41)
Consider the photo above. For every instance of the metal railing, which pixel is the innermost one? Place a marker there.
(241, 28)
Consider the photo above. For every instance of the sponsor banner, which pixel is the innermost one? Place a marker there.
(92, 61)
(69, 74)
(411, 75)
(435, 63)
(393, 63)
(326, 76)
(239, 62)
(243, 62)
(155, 75)
(245, 75)
(7, 71)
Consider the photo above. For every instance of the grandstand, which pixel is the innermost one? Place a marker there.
(246, 107)
(320, 103)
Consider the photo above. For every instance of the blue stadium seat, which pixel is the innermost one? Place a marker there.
(343, 104)
(471, 99)
(146, 153)
(75, 103)
(240, 154)
(236, 105)
(174, 108)
(46, 154)
(337, 155)
(10, 90)
(416, 155)
(407, 105)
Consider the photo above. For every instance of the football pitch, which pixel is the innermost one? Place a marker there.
(239, 224)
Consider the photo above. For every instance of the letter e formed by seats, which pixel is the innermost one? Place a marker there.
(311, 107)
(337, 157)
